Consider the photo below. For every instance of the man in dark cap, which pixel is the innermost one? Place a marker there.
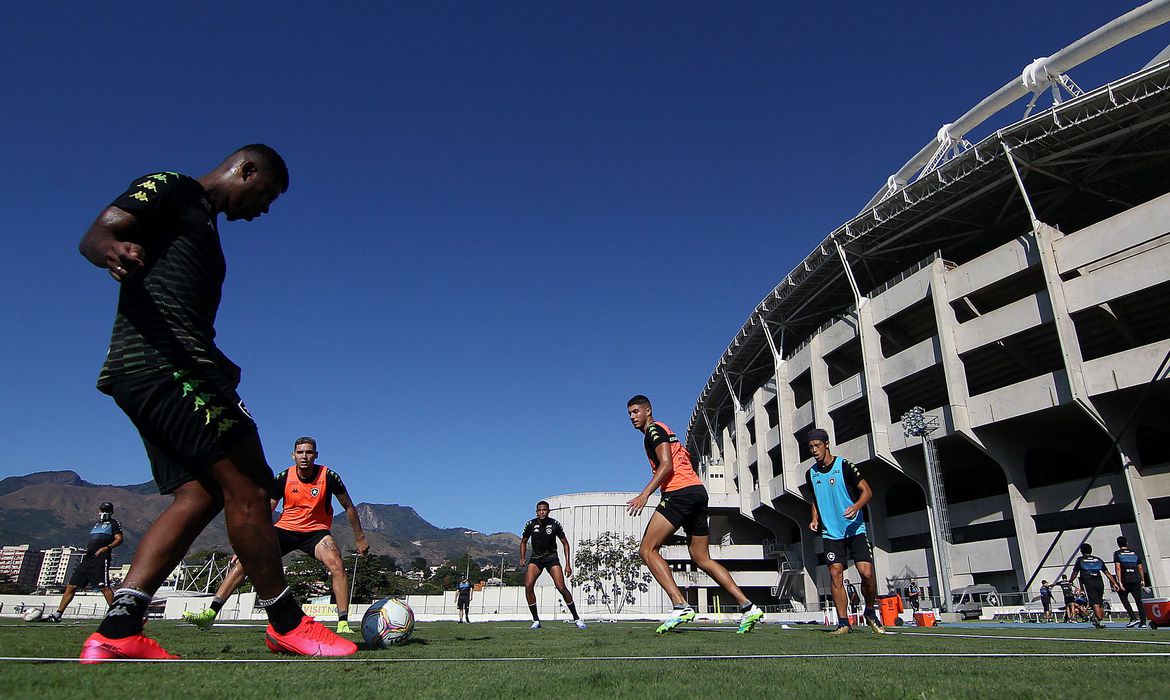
(839, 495)
(94, 569)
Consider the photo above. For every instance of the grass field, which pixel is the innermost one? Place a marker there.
(507, 660)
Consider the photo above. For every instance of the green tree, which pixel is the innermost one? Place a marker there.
(420, 564)
(610, 571)
(307, 577)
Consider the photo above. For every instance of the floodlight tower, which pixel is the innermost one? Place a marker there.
(915, 423)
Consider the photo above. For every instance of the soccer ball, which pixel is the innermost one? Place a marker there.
(387, 622)
(31, 615)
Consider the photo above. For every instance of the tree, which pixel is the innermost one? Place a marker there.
(610, 571)
(420, 564)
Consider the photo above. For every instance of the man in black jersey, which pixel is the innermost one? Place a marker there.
(1089, 568)
(94, 569)
(160, 241)
(1130, 573)
(545, 532)
(1070, 597)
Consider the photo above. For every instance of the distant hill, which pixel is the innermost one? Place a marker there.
(55, 508)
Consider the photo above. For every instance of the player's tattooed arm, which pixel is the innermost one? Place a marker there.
(108, 244)
(355, 522)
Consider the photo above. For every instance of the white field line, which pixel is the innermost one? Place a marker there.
(528, 659)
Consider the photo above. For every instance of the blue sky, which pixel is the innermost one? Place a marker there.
(504, 219)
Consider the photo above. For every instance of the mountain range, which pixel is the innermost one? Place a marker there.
(56, 508)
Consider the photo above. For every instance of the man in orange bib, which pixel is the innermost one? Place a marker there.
(684, 504)
(307, 489)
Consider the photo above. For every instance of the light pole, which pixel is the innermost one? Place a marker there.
(467, 569)
(500, 588)
(916, 424)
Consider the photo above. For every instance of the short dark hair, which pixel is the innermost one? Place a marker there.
(543, 503)
(1121, 541)
(268, 156)
(305, 439)
(1086, 548)
(1044, 582)
(639, 400)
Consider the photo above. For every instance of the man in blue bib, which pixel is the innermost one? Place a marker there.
(838, 515)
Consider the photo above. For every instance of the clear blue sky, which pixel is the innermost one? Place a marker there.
(505, 218)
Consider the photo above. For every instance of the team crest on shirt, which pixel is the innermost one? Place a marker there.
(548, 529)
(314, 491)
(831, 556)
(832, 481)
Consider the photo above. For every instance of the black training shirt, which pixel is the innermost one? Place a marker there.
(544, 534)
(166, 312)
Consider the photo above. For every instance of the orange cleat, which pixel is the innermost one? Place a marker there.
(99, 648)
(310, 638)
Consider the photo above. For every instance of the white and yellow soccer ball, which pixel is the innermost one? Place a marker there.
(387, 622)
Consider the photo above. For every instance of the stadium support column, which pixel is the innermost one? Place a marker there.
(1143, 513)
(1046, 242)
(955, 377)
(742, 450)
(875, 396)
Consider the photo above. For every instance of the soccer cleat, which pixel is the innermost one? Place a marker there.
(1134, 623)
(203, 619)
(343, 627)
(99, 648)
(535, 625)
(52, 617)
(310, 638)
(875, 624)
(580, 624)
(677, 617)
(749, 620)
(1098, 624)
(841, 629)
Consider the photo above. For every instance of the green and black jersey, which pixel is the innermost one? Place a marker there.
(166, 313)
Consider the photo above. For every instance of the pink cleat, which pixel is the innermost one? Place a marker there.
(310, 638)
(99, 648)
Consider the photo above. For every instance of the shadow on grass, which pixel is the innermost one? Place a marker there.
(366, 646)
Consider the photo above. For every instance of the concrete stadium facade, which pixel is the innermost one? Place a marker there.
(1018, 290)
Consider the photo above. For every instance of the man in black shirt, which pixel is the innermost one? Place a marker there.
(1070, 597)
(1090, 568)
(1046, 600)
(160, 241)
(545, 532)
(1130, 573)
(94, 569)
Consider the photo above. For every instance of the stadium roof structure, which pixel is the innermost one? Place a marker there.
(1089, 155)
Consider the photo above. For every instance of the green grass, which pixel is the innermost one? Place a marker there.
(563, 662)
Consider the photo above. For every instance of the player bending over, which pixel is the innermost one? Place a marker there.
(545, 532)
(684, 504)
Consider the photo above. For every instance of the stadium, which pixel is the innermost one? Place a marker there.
(987, 340)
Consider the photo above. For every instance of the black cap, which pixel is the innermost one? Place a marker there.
(106, 507)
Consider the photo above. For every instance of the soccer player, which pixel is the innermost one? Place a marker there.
(160, 241)
(1130, 572)
(1089, 568)
(1046, 599)
(838, 515)
(463, 600)
(545, 532)
(852, 597)
(94, 569)
(683, 504)
(914, 595)
(1070, 597)
(308, 490)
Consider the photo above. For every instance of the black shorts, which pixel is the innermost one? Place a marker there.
(856, 548)
(91, 572)
(546, 562)
(291, 540)
(1094, 591)
(188, 419)
(1047, 603)
(1069, 600)
(686, 508)
(463, 603)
